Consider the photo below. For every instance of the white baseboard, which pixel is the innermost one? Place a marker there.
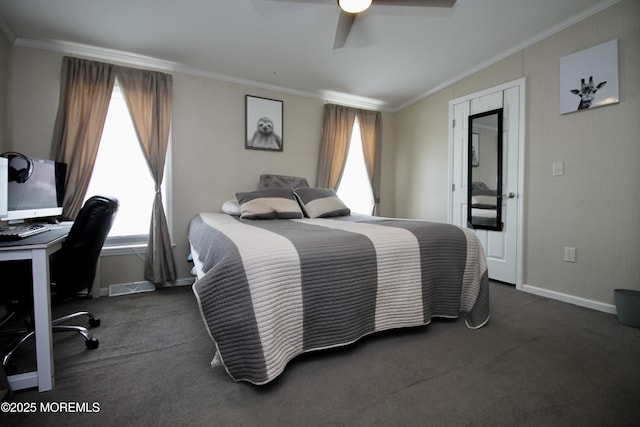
(571, 299)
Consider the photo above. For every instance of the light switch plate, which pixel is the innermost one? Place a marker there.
(558, 168)
(569, 254)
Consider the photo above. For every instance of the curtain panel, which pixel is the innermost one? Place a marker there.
(85, 93)
(334, 147)
(371, 133)
(148, 97)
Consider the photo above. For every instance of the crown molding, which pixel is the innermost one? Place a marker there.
(136, 60)
(104, 54)
(128, 58)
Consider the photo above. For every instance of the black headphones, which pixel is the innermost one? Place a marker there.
(18, 175)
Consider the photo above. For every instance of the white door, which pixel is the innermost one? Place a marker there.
(502, 248)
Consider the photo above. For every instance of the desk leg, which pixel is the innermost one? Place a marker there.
(42, 318)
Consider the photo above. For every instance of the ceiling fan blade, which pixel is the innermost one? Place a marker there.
(345, 22)
(427, 3)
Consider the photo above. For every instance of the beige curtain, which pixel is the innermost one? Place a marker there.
(370, 131)
(85, 93)
(148, 97)
(334, 147)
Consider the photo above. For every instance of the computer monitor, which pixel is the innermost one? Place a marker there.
(35, 188)
(4, 183)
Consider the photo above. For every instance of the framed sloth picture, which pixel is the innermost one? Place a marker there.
(263, 124)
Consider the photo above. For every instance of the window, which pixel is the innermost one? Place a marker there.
(355, 188)
(121, 171)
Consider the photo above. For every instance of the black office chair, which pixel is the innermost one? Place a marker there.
(73, 267)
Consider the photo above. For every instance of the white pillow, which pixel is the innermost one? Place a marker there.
(484, 200)
(231, 207)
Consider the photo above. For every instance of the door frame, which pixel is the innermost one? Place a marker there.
(521, 84)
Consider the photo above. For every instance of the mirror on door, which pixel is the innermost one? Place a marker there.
(484, 167)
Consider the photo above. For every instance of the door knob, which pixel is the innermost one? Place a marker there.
(510, 195)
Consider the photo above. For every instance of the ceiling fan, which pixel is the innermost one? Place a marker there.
(349, 10)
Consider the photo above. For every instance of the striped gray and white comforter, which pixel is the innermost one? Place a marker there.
(273, 289)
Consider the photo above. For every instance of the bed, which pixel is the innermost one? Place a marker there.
(285, 283)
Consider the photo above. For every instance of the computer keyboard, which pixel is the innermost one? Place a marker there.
(18, 232)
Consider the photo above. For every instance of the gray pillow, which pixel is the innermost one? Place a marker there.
(269, 204)
(281, 181)
(321, 202)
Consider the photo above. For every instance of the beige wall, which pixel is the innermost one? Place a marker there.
(594, 206)
(209, 160)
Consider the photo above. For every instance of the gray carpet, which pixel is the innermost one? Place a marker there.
(538, 362)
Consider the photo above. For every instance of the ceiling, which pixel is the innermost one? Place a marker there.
(394, 54)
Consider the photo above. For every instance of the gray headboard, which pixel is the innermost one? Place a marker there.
(281, 181)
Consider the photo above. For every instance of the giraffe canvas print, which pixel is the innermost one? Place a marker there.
(589, 78)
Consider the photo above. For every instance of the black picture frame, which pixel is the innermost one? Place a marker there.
(496, 223)
(263, 124)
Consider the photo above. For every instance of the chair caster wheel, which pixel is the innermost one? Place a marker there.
(94, 323)
(92, 343)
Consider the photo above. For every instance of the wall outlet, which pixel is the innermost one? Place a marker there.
(558, 169)
(569, 254)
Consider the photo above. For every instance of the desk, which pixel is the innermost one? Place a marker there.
(37, 248)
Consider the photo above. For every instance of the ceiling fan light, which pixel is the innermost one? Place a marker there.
(354, 6)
